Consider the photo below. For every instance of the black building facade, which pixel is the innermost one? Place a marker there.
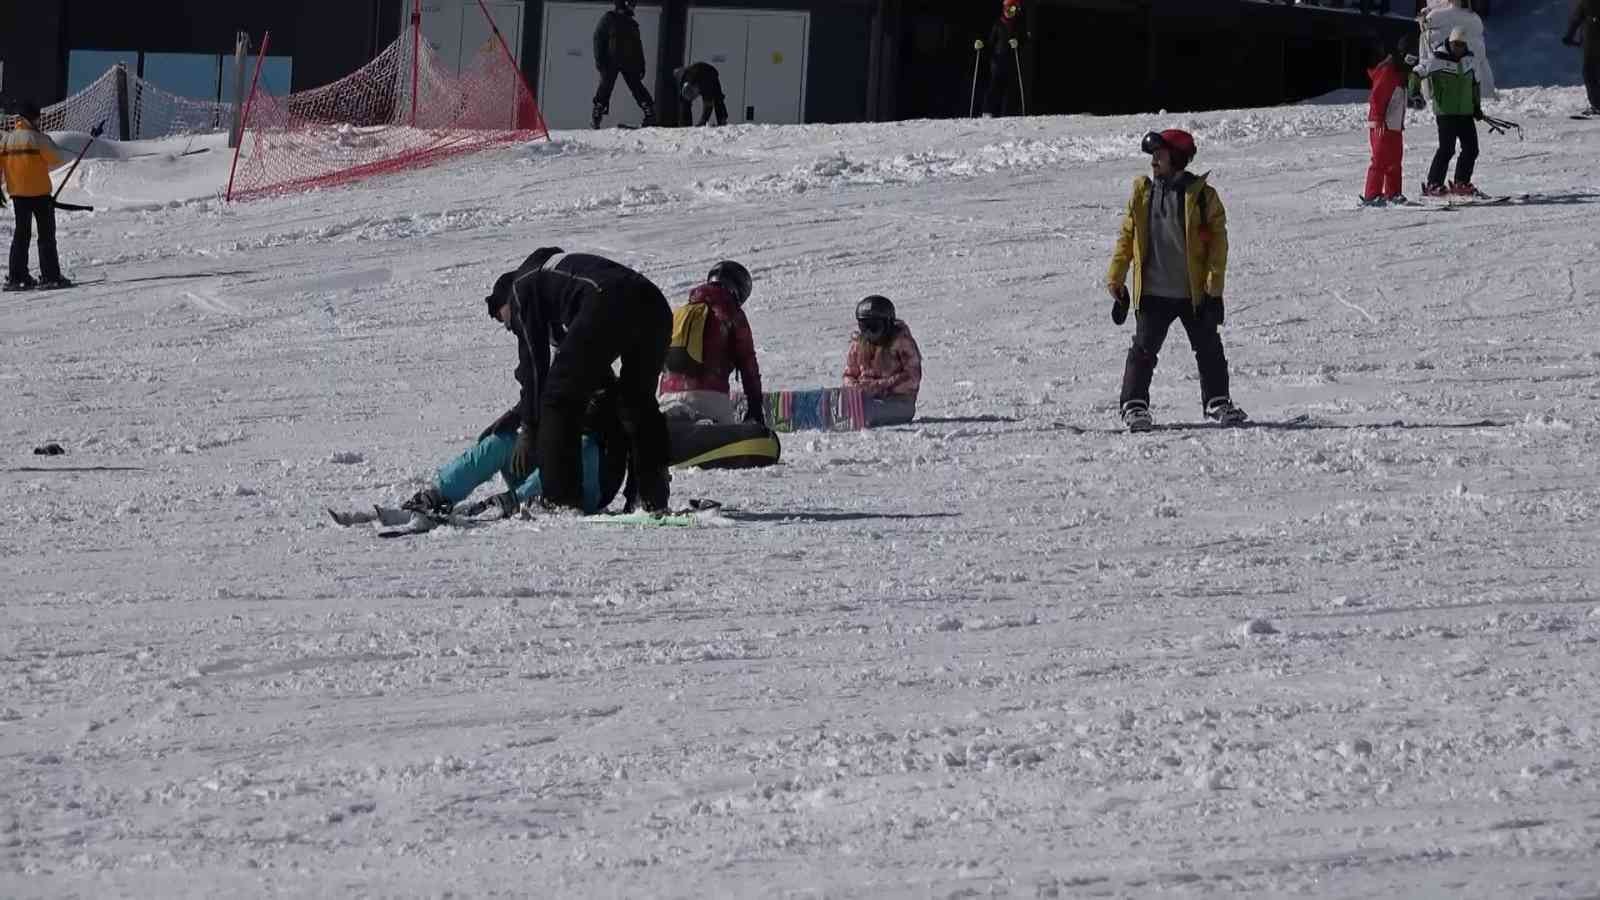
(865, 59)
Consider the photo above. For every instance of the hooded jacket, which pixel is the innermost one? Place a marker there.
(885, 371)
(1205, 229)
(26, 157)
(1450, 84)
(1386, 107)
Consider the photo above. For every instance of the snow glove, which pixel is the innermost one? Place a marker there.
(525, 457)
(508, 421)
(1119, 304)
(1211, 312)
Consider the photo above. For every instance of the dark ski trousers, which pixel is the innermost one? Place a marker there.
(28, 211)
(1003, 82)
(1591, 65)
(707, 107)
(1155, 317)
(608, 83)
(629, 321)
(1451, 130)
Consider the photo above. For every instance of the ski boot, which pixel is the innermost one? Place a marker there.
(1467, 190)
(1136, 417)
(1398, 200)
(597, 114)
(1374, 202)
(1435, 190)
(55, 284)
(1222, 411)
(649, 120)
(428, 502)
(25, 283)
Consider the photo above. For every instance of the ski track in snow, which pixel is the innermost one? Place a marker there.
(1005, 650)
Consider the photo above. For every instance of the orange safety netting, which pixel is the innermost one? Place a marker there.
(404, 110)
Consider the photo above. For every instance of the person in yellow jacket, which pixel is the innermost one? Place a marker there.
(1174, 239)
(26, 157)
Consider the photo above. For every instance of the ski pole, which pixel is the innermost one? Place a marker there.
(1022, 93)
(93, 133)
(977, 59)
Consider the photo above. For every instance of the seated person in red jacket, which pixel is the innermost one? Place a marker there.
(885, 363)
(695, 385)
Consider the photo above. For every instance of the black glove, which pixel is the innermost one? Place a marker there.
(97, 130)
(1119, 307)
(755, 411)
(1417, 101)
(508, 421)
(1211, 312)
(525, 458)
(1478, 114)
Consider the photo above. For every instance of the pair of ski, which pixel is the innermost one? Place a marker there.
(393, 522)
(30, 288)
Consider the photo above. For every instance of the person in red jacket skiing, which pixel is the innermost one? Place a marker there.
(712, 339)
(1386, 122)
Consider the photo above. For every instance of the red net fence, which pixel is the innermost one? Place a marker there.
(132, 109)
(404, 110)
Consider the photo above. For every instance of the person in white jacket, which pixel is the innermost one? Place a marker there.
(1444, 16)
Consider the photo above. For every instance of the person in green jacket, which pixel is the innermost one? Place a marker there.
(1449, 80)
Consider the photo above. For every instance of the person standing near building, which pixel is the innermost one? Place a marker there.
(703, 81)
(618, 50)
(1005, 44)
(1586, 22)
(1174, 240)
(26, 157)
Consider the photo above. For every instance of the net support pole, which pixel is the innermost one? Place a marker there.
(512, 60)
(241, 53)
(416, 54)
(244, 122)
(123, 129)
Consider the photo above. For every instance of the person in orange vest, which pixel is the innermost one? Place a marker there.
(26, 157)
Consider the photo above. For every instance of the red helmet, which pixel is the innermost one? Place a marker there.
(1010, 9)
(1181, 143)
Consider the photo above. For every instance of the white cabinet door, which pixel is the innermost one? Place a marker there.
(441, 28)
(567, 76)
(722, 39)
(775, 69)
(476, 37)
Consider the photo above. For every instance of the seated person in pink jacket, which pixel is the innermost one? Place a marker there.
(885, 363)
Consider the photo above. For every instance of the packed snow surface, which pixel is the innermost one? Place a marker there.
(1006, 650)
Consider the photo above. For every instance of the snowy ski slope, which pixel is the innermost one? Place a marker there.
(1006, 650)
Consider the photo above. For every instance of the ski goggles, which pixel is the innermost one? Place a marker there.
(1152, 142)
(875, 328)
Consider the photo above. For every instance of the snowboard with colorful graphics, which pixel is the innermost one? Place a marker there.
(816, 409)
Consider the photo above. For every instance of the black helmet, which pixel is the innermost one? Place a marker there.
(625, 5)
(875, 317)
(29, 110)
(734, 277)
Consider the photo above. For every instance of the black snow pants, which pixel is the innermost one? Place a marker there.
(28, 211)
(708, 106)
(630, 321)
(1003, 83)
(1156, 315)
(1452, 129)
(1591, 64)
(608, 83)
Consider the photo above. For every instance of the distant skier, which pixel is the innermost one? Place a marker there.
(701, 80)
(1386, 122)
(1448, 78)
(618, 50)
(1584, 31)
(884, 362)
(595, 312)
(710, 340)
(1174, 238)
(1444, 17)
(27, 155)
(1005, 45)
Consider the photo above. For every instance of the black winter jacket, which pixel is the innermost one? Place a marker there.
(617, 45)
